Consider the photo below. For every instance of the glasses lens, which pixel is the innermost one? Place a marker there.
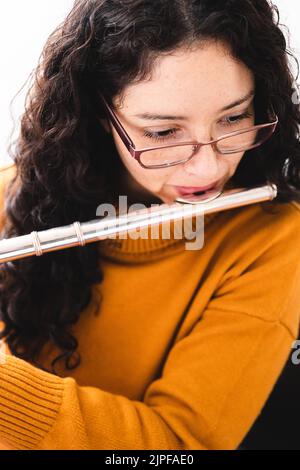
(167, 155)
(244, 141)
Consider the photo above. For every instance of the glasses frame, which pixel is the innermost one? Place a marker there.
(136, 153)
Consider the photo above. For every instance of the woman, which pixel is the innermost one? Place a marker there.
(141, 343)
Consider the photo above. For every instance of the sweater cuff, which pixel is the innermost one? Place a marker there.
(30, 400)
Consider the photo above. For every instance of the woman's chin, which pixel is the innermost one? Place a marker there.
(166, 199)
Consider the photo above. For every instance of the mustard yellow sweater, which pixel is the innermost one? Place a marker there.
(185, 349)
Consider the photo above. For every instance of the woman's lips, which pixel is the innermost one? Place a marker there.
(193, 189)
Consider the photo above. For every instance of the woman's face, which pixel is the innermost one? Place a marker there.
(191, 88)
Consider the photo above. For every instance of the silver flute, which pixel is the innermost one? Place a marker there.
(80, 234)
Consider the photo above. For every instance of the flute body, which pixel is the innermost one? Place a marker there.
(80, 234)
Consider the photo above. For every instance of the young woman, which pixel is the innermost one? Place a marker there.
(141, 343)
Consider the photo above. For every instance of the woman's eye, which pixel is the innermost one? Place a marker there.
(171, 133)
(232, 120)
(161, 135)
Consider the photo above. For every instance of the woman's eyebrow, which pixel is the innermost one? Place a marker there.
(154, 117)
(240, 101)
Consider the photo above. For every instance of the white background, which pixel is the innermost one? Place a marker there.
(24, 30)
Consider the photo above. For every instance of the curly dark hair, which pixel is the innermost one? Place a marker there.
(67, 164)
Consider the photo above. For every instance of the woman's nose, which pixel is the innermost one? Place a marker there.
(204, 163)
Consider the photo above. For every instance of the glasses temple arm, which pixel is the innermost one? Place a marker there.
(119, 128)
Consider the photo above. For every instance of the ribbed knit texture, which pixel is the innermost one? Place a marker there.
(30, 402)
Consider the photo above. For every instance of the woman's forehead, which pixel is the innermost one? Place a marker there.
(187, 78)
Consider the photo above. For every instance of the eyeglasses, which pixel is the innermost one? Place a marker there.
(174, 154)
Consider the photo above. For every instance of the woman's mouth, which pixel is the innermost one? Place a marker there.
(185, 190)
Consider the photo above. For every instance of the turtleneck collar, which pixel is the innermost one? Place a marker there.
(131, 249)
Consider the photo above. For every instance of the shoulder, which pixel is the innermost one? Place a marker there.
(258, 260)
(267, 231)
(258, 234)
(285, 216)
(275, 228)
(280, 219)
(7, 168)
(7, 172)
(266, 221)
